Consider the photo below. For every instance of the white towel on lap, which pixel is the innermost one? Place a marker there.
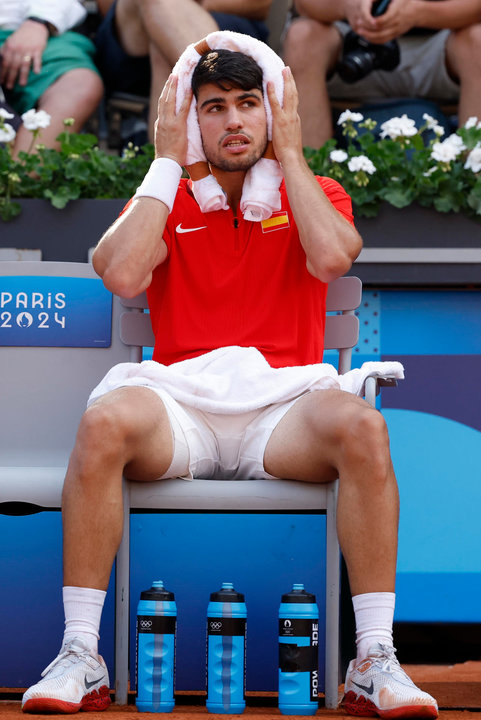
(266, 175)
(236, 379)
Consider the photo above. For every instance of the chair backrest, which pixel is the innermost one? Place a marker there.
(44, 388)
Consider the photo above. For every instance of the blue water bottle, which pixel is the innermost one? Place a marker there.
(226, 651)
(298, 653)
(155, 667)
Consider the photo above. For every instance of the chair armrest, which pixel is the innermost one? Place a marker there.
(374, 384)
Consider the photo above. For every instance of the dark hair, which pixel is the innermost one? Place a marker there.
(227, 69)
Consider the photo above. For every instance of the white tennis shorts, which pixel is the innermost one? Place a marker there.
(218, 446)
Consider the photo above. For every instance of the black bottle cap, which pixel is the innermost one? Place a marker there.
(227, 594)
(157, 593)
(298, 595)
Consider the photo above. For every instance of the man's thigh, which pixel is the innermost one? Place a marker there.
(305, 443)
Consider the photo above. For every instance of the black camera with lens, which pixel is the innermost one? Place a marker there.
(360, 57)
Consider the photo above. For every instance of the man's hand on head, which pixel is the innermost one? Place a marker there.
(171, 127)
(286, 125)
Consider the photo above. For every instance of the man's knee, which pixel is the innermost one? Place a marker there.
(310, 41)
(465, 48)
(82, 88)
(360, 434)
(105, 428)
(89, 88)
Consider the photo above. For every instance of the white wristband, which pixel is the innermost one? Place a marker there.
(161, 181)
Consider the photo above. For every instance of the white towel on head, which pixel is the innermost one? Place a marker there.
(260, 196)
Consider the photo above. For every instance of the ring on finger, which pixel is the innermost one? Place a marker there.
(27, 59)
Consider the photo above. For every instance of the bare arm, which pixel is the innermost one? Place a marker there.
(402, 15)
(255, 9)
(132, 247)
(326, 11)
(330, 242)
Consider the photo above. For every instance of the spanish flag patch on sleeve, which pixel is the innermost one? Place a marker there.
(277, 221)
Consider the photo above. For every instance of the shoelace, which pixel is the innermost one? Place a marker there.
(61, 657)
(388, 661)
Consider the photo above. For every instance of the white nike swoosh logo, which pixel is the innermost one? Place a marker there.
(180, 229)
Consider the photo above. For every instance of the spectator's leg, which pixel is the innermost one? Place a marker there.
(463, 57)
(162, 29)
(311, 49)
(76, 94)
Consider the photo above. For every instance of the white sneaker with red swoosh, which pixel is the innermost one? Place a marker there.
(76, 680)
(378, 686)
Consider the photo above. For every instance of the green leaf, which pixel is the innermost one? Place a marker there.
(9, 209)
(61, 196)
(474, 198)
(397, 196)
(445, 203)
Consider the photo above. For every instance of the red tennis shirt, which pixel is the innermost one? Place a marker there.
(227, 281)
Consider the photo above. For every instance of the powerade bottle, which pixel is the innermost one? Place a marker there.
(156, 626)
(298, 653)
(226, 646)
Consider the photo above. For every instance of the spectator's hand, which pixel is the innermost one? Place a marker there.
(399, 17)
(21, 52)
(359, 16)
(171, 127)
(286, 125)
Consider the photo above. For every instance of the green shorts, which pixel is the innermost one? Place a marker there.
(66, 52)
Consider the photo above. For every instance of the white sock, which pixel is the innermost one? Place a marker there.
(83, 609)
(374, 617)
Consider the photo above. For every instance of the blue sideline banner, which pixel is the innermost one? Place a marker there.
(48, 311)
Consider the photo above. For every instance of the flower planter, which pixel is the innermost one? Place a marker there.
(63, 235)
(419, 246)
(415, 246)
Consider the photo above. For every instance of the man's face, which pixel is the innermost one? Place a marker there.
(233, 126)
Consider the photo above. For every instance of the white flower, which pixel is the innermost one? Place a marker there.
(438, 130)
(471, 122)
(445, 151)
(347, 115)
(34, 120)
(456, 142)
(7, 133)
(361, 162)
(429, 172)
(431, 122)
(5, 114)
(473, 161)
(338, 156)
(398, 127)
